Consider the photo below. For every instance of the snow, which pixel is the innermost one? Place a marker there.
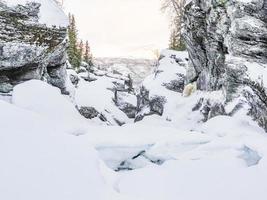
(39, 162)
(50, 13)
(47, 101)
(200, 179)
(48, 151)
(97, 94)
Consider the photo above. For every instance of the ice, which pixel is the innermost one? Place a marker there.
(250, 156)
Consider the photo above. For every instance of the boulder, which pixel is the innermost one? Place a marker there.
(176, 85)
(209, 108)
(88, 112)
(29, 49)
(147, 105)
(126, 102)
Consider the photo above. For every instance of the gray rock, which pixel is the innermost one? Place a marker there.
(213, 29)
(147, 105)
(176, 85)
(209, 109)
(74, 79)
(5, 87)
(206, 22)
(89, 112)
(30, 50)
(89, 78)
(81, 70)
(121, 101)
(157, 104)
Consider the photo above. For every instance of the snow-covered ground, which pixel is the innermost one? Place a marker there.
(40, 158)
(48, 151)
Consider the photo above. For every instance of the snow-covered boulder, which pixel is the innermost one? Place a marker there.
(162, 87)
(88, 112)
(32, 42)
(46, 100)
(73, 76)
(105, 96)
(126, 102)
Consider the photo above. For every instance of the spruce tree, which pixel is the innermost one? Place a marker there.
(176, 40)
(80, 51)
(87, 54)
(176, 11)
(73, 50)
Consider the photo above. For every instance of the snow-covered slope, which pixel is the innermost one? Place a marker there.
(182, 154)
(169, 156)
(50, 13)
(39, 158)
(185, 144)
(47, 101)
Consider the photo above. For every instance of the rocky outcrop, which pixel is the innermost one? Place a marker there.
(164, 85)
(149, 105)
(126, 102)
(206, 23)
(209, 108)
(30, 50)
(88, 112)
(176, 85)
(216, 28)
(227, 46)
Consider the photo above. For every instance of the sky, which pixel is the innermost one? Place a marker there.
(121, 28)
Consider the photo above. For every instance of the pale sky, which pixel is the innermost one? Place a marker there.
(121, 27)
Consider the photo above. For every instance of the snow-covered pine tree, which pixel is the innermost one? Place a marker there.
(81, 50)
(88, 57)
(176, 10)
(74, 53)
(176, 40)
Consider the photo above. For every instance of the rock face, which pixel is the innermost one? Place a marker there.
(215, 28)
(227, 46)
(28, 49)
(147, 105)
(209, 109)
(126, 102)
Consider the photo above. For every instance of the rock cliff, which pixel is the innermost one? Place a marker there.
(227, 46)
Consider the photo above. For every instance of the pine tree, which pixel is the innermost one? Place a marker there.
(172, 40)
(176, 11)
(80, 51)
(176, 40)
(88, 58)
(73, 50)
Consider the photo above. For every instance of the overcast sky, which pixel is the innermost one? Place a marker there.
(121, 27)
